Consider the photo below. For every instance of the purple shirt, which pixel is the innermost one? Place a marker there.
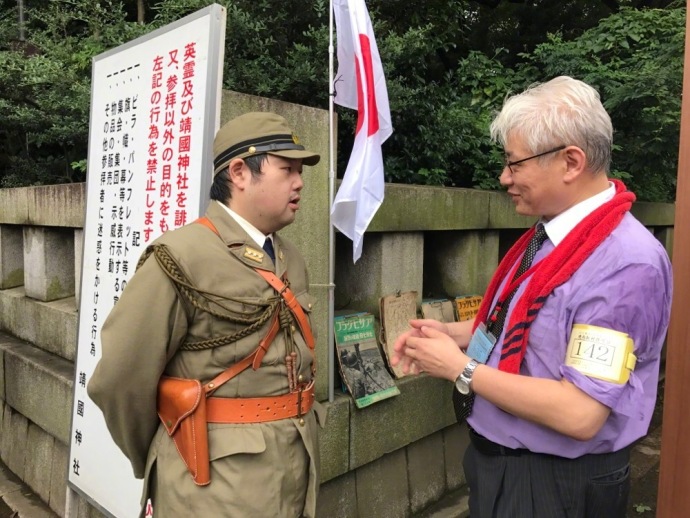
(625, 285)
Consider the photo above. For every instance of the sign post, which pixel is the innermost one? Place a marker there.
(155, 109)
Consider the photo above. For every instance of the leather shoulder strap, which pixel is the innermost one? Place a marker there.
(292, 303)
(207, 223)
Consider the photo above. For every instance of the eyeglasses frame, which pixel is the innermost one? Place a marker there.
(510, 165)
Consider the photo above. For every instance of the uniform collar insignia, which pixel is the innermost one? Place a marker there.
(253, 254)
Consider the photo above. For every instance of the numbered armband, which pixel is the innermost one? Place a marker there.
(601, 353)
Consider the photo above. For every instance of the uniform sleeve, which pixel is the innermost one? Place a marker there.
(139, 336)
(633, 300)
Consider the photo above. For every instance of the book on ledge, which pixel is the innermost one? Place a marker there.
(396, 312)
(362, 368)
(442, 310)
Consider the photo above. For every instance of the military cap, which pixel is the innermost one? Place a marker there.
(254, 133)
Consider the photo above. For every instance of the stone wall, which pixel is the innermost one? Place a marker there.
(390, 459)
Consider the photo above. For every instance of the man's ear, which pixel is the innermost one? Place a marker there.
(238, 173)
(576, 163)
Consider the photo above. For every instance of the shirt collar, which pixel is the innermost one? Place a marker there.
(561, 225)
(257, 236)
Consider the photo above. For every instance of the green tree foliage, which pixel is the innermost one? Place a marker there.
(45, 86)
(449, 64)
(635, 59)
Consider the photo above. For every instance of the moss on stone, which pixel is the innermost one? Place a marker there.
(55, 290)
(13, 279)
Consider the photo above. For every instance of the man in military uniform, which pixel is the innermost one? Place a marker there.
(199, 303)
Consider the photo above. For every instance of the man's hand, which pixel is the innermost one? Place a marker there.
(436, 353)
(399, 356)
(411, 348)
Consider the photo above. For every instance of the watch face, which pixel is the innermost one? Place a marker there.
(462, 387)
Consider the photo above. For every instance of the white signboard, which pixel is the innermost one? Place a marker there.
(155, 107)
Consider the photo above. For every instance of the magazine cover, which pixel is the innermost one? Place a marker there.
(467, 307)
(361, 364)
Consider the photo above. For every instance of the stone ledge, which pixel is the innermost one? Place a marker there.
(38, 385)
(59, 205)
(423, 207)
(418, 207)
(654, 214)
(57, 332)
(19, 499)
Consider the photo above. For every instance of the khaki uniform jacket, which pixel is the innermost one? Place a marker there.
(263, 469)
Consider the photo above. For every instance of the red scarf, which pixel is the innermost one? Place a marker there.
(552, 271)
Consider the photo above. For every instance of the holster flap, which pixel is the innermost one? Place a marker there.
(182, 410)
(177, 399)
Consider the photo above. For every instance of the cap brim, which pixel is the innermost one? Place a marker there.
(307, 157)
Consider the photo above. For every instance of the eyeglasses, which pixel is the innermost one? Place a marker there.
(510, 165)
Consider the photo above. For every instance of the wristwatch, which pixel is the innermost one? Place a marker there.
(465, 378)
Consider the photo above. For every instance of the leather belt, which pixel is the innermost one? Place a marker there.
(260, 409)
(487, 447)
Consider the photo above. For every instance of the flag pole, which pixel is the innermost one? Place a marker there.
(331, 231)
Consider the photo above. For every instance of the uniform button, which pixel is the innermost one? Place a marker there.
(301, 422)
(293, 329)
(211, 385)
(300, 378)
(309, 306)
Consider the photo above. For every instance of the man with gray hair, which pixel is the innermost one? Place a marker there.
(557, 375)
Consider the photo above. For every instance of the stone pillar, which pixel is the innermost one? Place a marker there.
(390, 262)
(49, 262)
(11, 257)
(459, 263)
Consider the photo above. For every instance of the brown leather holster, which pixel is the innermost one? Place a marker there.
(182, 410)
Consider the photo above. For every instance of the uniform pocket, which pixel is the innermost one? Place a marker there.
(607, 494)
(306, 302)
(231, 440)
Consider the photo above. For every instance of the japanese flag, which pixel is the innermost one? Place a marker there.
(360, 85)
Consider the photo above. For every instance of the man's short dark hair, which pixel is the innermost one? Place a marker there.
(221, 188)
